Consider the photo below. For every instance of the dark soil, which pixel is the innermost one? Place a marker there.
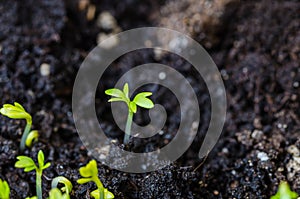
(258, 55)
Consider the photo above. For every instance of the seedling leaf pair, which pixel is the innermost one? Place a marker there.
(16, 111)
(139, 100)
(88, 172)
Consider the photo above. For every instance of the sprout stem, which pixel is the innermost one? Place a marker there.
(128, 127)
(24, 136)
(39, 185)
(100, 187)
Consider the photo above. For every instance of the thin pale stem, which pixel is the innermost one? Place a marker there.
(39, 185)
(100, 188)
(24, 136)
(128, 127)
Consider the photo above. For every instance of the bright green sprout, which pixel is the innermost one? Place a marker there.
(67, 188)
(17, 111)
(28, 165)
(33, 197)
(90, 174)
(31, 138)
(55, 193)
(4, 190)
(284, 192)
(139, 100)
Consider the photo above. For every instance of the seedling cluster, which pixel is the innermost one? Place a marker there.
(90, 172)
(141, 99)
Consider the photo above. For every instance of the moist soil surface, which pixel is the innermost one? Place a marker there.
(257, 52)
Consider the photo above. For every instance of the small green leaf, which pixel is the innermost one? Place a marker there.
(31, 138)
(132, 107)
(4, 190)
(126, 90)
(90, 170)
(115, 92)
(142, 101)
(47, 165)
(19, 106)
(41, 159)
(284, 192)
(145, 94)
(84, 180)
(31, 168)
(108, 194)
(116, 100)
(25, 162)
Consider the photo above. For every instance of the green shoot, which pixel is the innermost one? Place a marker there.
(90, 174)
(28, 165)
(31, 138)
(284, 192)
(107, 194)
(55, 193)
(139, 100)
(4, 190)
(67, 184)
(17, 111)
(33, 197)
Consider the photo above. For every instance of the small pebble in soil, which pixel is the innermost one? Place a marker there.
(224, 74)
(45, 69)
(292, 149)
(90, 15)
(296, 84)
(262, 156)
(225, 150)
(293, 168)
(113, 41)
(106, 21)
(82, 4)
(162, 75)
(257, 134)
(216, 192)
(148, 43)
(158, 54)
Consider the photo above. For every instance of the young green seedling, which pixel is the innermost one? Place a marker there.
(67, 188)
(90, 174)
(139, 100)
(4, 190)
(284, 192)
(55, 193)
(28, 165)
(17, 111)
